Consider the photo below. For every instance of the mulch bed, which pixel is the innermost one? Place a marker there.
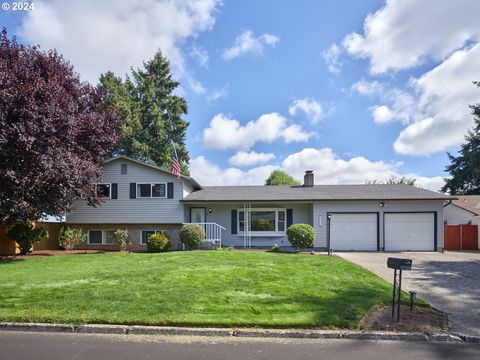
(420, 319)
(40, 253)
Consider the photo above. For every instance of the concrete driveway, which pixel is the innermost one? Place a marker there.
(449, 281)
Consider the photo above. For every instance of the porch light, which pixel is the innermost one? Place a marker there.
(382, 204)
(210, 210)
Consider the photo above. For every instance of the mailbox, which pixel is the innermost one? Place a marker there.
(399, 263)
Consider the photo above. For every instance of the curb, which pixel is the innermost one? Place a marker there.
(241, 332)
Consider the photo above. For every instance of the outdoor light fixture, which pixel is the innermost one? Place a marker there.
(382, 204)
(210, 210)
(413, 297)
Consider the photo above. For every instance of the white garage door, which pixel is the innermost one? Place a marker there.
(410, 231)
(353, 232)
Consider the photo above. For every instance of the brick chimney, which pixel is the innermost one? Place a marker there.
(308, 178)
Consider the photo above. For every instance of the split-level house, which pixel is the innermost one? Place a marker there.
(143, 199)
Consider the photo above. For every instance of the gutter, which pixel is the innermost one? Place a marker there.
(448, 203)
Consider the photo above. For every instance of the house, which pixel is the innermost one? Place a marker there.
(145, 198)
(464, 210)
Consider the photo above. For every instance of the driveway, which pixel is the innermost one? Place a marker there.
(449, 281)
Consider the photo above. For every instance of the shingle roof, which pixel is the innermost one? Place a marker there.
(318, 192)
(468, 202)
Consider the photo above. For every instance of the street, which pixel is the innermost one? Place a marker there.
(39, 346)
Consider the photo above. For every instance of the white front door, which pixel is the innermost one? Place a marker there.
(197, 215)
(354, 232)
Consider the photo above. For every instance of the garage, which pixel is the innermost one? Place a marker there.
(409, 231)
(354, 231)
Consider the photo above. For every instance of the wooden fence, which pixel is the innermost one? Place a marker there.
(10, 247)
(461, 237)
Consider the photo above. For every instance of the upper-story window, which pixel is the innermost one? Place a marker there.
(123, 169)
(104, 190)
(152, 190)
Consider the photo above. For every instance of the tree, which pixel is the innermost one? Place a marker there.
(25, 234)
(54, 134)
(279, 177)
(392, 180)
(465, 168)
(150, 113)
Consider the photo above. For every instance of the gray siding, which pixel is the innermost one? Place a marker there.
(322, 208)
(132, 211)
(221, 214)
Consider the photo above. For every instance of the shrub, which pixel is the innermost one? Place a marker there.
(122, 238)
(192, 235)
(158, 242)
(25, 235)
(68, 237)
(275, 248)
(301, 236)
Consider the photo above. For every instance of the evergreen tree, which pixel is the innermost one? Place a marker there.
(150, 113)
(465, 168)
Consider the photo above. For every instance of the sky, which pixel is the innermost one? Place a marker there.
(354, 90)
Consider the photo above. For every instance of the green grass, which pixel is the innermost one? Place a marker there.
(199, 288)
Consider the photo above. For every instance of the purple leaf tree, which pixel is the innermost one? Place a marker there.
(55, 132)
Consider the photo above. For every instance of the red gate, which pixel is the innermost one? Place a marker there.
(461, 237)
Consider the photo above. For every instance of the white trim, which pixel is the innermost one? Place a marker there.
(141, 234)
(109, 189)
(103, 237)
(151, 190)
(264, 233)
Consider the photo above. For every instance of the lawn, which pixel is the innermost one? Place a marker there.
(199, 288)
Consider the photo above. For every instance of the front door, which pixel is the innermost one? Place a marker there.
(197, 215)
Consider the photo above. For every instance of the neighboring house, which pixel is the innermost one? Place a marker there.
(463, 210)
(145, 198)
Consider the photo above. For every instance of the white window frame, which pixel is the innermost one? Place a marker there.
(264, 233)
(103, 237)
(150, 230)
(109, 187)
(151, 190)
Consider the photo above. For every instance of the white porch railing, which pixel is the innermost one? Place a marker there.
(213, 232)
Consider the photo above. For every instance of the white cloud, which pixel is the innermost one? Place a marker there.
(368, 88)
(311, 107)
(328, 168)
(200, 54)
(97, 36)
(330, 56)
(405, 33)
(208, 173)
(217, 95)
(225, 133)
(382, 114)
(243, 158)
(246, 43)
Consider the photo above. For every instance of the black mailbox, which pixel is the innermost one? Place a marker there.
(399, 263)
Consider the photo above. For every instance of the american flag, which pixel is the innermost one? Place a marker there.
(175, 164)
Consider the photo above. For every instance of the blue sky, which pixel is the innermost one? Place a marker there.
(354, 90)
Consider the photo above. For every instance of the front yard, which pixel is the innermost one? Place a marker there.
(200, 288)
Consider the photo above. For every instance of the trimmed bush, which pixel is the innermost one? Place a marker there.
(192, 235)
(301, 236)
(122, 239)
(158, 242)
(68, 237)
(25, 235)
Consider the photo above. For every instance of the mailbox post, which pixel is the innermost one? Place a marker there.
(400, 265)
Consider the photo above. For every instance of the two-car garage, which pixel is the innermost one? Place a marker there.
(393, 231)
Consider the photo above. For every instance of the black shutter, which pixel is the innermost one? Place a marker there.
(114, 191)
(170, 190)
(234, 222)
(289, 217)
(133, 190)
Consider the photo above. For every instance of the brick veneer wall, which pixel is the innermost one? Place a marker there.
(134, 233)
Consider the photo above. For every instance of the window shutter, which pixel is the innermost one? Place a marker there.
(133, 190)
(234, 222)
(289, 217)
(114, 191)
(170, 190)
